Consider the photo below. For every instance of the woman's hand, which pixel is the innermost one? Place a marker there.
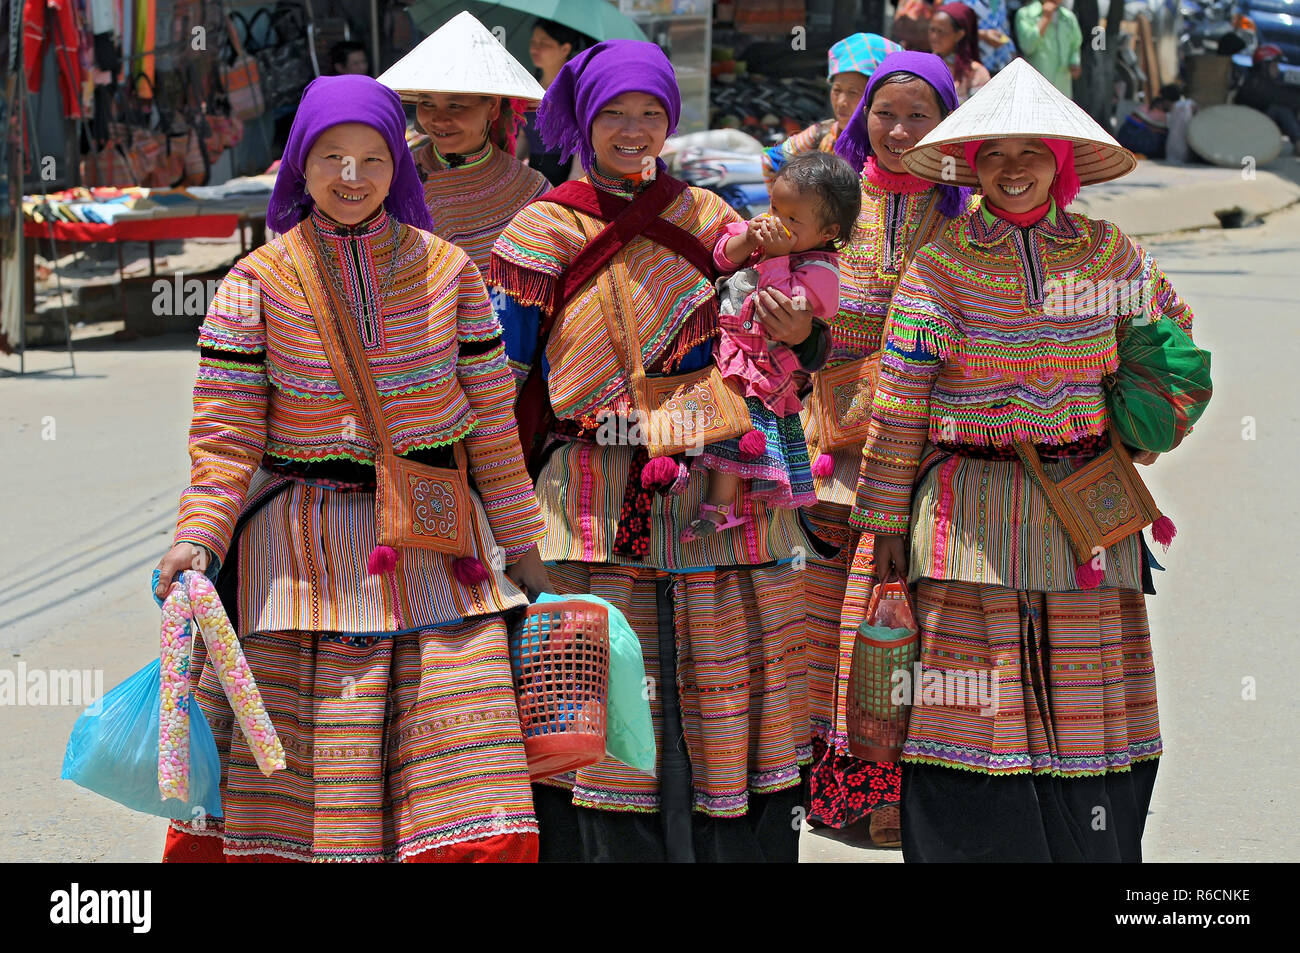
(888, 554)
(529, 573)
(180, 557)
(1144, 457)
(786, 319)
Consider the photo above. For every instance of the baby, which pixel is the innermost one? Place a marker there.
(815, 201)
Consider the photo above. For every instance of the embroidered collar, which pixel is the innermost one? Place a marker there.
(903, 183)
(988, 228)
(372, 226)
(619, 186)
(467, 160)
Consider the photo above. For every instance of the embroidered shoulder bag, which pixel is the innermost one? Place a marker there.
(1099, 504)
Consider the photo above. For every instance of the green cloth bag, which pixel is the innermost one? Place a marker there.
(1161, 388)
(629, 731)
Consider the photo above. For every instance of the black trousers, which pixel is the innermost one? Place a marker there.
(949, 815)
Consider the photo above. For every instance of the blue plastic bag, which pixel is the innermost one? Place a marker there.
(629, 731)
(113, 751)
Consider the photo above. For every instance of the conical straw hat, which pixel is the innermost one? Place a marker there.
(462, 56)
(1018, 102)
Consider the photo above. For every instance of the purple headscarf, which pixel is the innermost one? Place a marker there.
(594, 77)
(331, 100)
(854, 145)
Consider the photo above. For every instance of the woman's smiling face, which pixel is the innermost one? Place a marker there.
(628, 134)
(1015, 174)
(349, 171)
(900, 116)
(457, 123)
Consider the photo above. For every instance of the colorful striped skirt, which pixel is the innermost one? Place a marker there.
(741, 674)
(1023, 682)
(400, 747)
(843, 789)
(782, 474)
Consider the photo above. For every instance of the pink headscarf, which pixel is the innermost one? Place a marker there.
(1065, 186)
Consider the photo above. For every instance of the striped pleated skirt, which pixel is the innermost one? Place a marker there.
(1026, 682)
(400, 747)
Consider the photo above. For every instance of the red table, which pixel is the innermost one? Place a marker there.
(149, 230)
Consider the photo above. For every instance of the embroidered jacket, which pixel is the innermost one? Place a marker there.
(582, 487)
(1000, 333)
(897, 214)
(266, 392)
(472, 203)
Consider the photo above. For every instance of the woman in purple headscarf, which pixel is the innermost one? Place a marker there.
(908, 95)
(385, 671)
(720, 619)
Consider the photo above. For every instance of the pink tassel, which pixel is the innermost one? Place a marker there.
(823, 466)
(469, 571)
(753, 445)
(659, 474)
(1088, 576)
(1163, 531)
(383, 559)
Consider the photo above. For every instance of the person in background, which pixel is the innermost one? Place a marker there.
(1263, 89)
(1145, 130)
(469, 94)
(996, 48)
(911, 25)
(552, 45)
(349, 56)
(849, 64)
(1050, 38)
(954, 36)
(908, 95)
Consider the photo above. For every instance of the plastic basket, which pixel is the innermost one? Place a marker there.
(877, 726)
(559, 655)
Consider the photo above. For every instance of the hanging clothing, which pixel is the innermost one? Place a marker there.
(63, 32)
(472, 202)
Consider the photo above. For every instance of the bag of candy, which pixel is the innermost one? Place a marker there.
(113, 751)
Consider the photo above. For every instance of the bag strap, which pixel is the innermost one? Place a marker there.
(612, 282)
(627, 220)
(343, 347)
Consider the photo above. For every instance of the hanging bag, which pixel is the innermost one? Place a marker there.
(242, 77)
(888, 642)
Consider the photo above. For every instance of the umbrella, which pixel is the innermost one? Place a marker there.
(512, 21)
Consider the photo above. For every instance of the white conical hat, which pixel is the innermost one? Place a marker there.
(462, 56)
(1019, 102)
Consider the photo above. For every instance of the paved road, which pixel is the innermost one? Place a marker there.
(86, 515)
